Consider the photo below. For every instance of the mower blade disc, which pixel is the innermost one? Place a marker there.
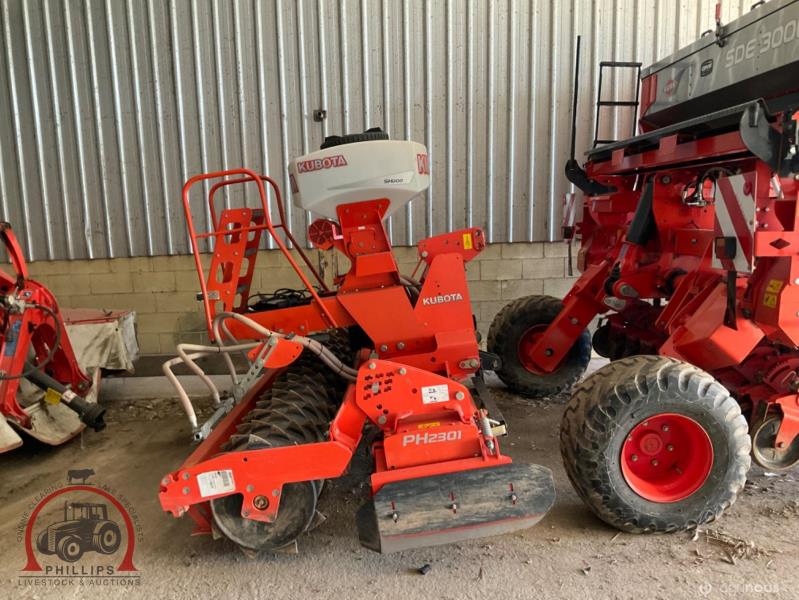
(444, 509)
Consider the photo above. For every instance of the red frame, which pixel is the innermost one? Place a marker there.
(763, 333)
(33, 327)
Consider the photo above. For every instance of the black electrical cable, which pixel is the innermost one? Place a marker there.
(51, 352)
(280, 298)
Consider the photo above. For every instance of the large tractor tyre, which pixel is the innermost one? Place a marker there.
(512, 334)
(654, 445)
(106, 538)
(297, 409)
(69, 548)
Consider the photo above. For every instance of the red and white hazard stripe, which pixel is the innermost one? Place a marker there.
(735, 217)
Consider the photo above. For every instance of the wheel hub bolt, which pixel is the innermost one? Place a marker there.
(634, 458)
(665, 428)
(670, 448)
(655, 462)
(260, 502)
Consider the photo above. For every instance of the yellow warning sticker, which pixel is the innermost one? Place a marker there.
(774, 286)
(467, 241)
(771, 294)
(428, 425)
(52, 396)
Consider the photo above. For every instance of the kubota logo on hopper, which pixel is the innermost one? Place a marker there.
(442, 298)
(317, 164)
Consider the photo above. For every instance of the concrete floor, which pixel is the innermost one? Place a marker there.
(570, 554)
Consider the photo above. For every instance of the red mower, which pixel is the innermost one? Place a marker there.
(372, 351)
(45, 393)
(690, 257)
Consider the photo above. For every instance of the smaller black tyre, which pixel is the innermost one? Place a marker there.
(69, 548)
(513, 332)
(764, 446)
(654, 445)
(106, 537)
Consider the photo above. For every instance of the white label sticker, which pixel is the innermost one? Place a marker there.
(435, 393)
(215, 482)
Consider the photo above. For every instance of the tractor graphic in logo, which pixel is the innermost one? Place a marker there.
(85, 528)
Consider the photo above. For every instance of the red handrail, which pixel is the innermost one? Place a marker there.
(248, 176)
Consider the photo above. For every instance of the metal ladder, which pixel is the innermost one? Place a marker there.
(613, 64)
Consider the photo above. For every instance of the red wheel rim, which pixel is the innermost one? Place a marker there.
(526, 343)
(666, 457)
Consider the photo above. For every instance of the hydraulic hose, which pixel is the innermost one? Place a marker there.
(188, 353)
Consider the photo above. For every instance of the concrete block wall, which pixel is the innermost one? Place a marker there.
(162, 289)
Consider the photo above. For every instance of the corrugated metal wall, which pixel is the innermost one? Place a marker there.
(107, 106)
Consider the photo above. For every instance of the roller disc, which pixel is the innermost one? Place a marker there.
(297, 409)
(296, 512)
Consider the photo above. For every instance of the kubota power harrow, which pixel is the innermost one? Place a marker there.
(44, 393)
(690, 254)
(375, 349)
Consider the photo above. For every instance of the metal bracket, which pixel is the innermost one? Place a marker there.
(253, 373)
(204, 430)
(485, 400)
(256, 367)
(765, 142)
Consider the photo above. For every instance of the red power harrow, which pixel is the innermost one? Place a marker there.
(374, 350)
(690, 254)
